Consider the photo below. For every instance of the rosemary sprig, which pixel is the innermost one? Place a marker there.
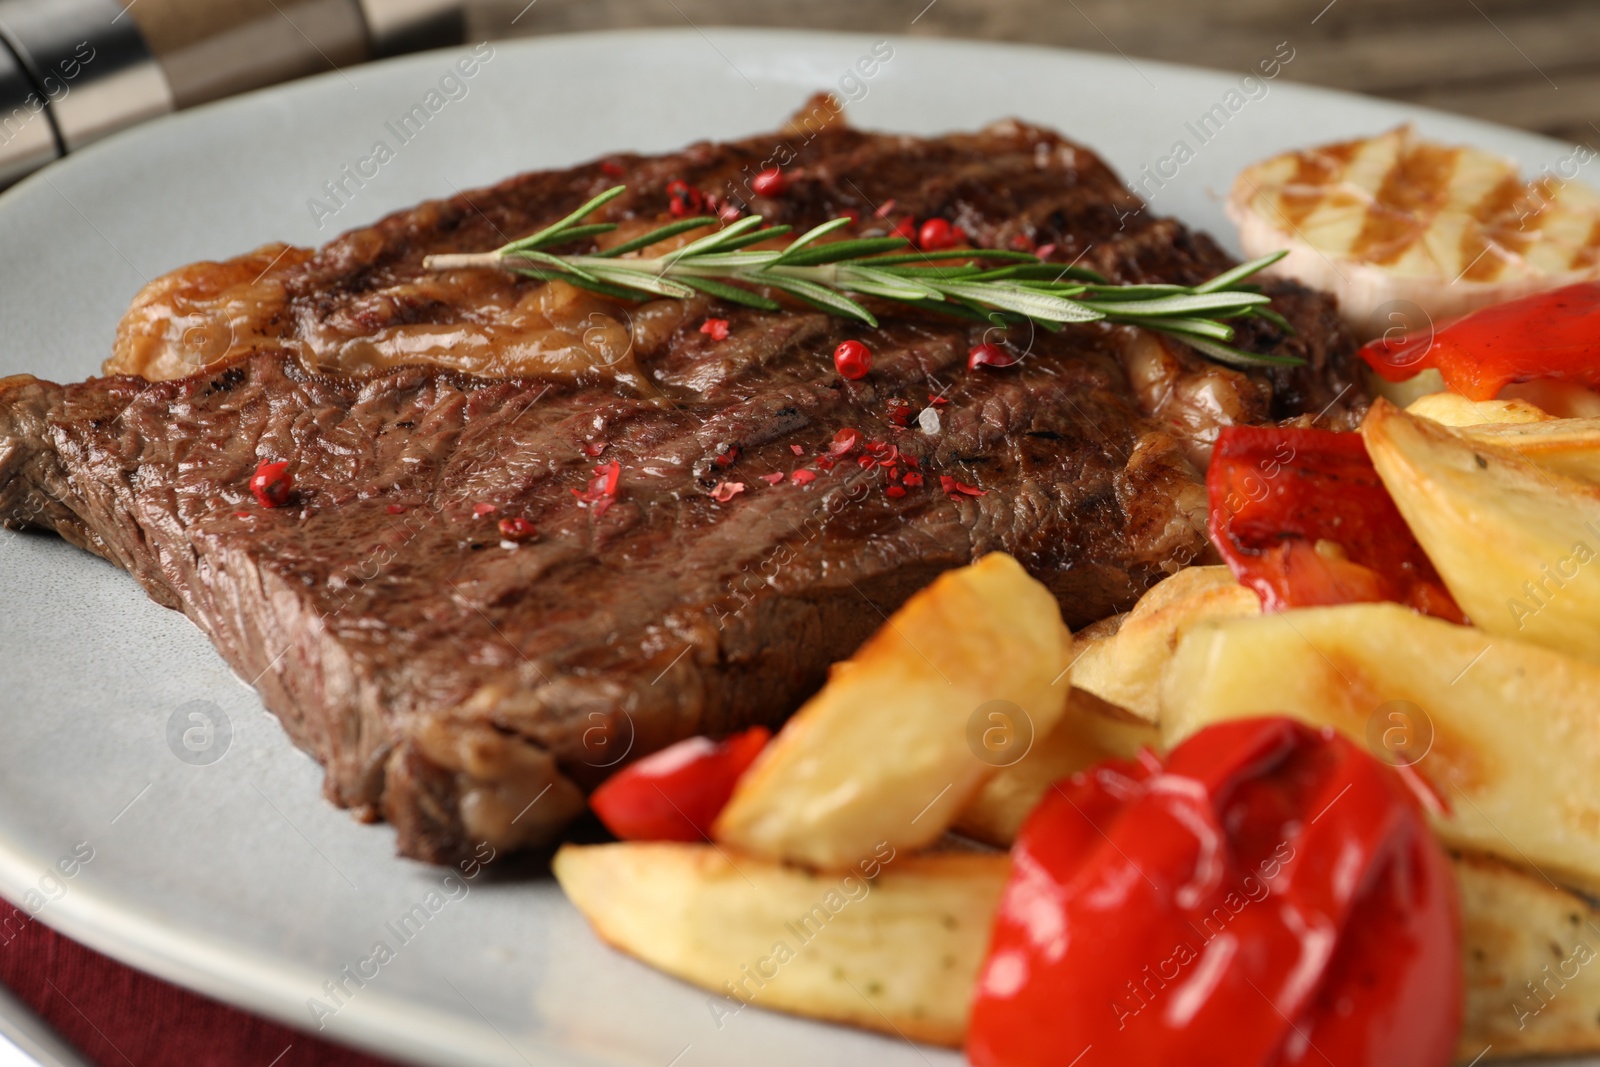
(983, 283)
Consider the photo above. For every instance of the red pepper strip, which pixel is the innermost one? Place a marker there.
(1275, 493)
(677, 793)
(1270, 896)
(1547, 335)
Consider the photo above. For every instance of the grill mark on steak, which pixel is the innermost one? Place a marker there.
(468, 692)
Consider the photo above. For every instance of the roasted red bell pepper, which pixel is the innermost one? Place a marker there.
(1272, 895)
(677, 793)
(1302, 518)
(1547, 335)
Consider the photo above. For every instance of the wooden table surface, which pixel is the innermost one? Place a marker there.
(1528, 63)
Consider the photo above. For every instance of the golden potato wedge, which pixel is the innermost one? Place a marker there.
(1569, 446)
(1098, 630)
(1508, 731)
(1407, 392)
(1453, 409)
(888, 751)
(898, 952)
(1532, 962)
(1561, 398)
(1125, 669)
(1090, 732)
(1518, 545)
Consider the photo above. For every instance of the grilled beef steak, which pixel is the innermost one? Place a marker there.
(485, 591)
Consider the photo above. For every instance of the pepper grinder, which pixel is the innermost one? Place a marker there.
(73, 71)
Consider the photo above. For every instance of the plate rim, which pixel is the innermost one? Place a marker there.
(386, 1024)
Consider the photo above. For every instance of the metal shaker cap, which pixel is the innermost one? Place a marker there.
(27, 138)
(397, 26)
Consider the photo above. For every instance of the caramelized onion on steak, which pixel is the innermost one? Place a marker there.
(470, 687)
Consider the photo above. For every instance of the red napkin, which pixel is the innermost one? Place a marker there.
(119, 1017)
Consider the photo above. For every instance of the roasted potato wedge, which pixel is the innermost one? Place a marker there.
(899, 952)
(1091, 731)
(1568, 446)
(1125, 668)
(1532, 965)
(1098, 630)
(1453, 409)
(1516, 543)
(1407, 392)
(1559, 397)
(894, 947)
(888, 752)
(1507, 731)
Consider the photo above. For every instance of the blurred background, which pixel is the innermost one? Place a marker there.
(72, 71)
(1528, 63)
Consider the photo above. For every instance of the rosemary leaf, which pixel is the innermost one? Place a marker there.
(1208, 328)
(753, 238)
(638, 279)
(820, 297)
(671, 229)
(1033, 272)
(1180, 305)
(580, 233)
(1228, 279)
(1133, 292)
(1023, 301)
(860, 278)
(724, 263)
(931, 258)
(1233, 356)
(956, 309)
(1276, 319)
(732, 294)
(712, 242)
(1084, 274)
(838, 250)
(544, 235)
(528, 255)
(933, 272)
(614, 291)
(813, 234)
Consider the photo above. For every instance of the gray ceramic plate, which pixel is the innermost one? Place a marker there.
(225, 870)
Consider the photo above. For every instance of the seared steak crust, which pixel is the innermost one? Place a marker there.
(468, 686)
